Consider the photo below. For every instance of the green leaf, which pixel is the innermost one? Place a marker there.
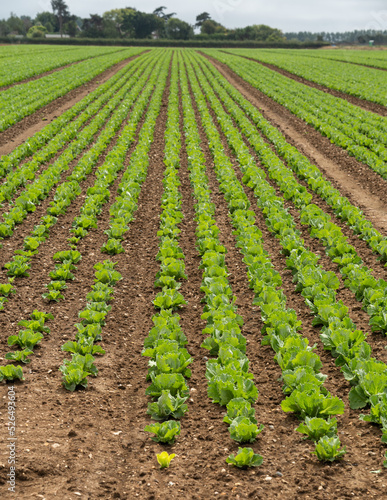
(245, 458)
(315, 428)
(165, 432)
(327, 449)
(164, 459)
(243, 430)
(11, 372)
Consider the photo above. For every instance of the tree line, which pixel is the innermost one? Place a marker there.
(129, 22)
(132, 23)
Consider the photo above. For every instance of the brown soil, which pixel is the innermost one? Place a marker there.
(362, 103)
(91, 444)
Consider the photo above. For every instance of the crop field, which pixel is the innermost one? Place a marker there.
(193, 282)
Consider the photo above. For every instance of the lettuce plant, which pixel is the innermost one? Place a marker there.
(165, 432)
(243, 430)
(164, 459)
(245, 458)
(173, 382)
(85, 345)
(11, 372)
(19, 355)
(328, 449)
(239, 407)
(112, 247)
(168, 406)
(26, 339)
(168, 299)
(315, 428)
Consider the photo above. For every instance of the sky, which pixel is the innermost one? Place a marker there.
(287, 15)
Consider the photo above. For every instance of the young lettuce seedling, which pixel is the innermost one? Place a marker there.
(164, 459)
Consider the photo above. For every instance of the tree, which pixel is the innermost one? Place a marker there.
(159, 13)
(37, 31)
(4, 28)
(204, 16)
(211, 27)
(178, 29)
(93, 26)
(140, 24)
(71, 26)
(27, 21)
(16, 25)
(62, 12)
(114, 21)
(48, 20)
(259, 32)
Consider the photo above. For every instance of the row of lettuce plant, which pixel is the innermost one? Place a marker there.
(27, 171)
(348, 78)
(359, 278)
(64, 271)
(229, 382)
(318, 287)
(169, 360)
(40, 188)
(363, 121)
(281, 91)
(70, 189)
(303, 381)
(24, 99)
(76, 370)
(82, 363)
(98, 194)
(25, 66)
(342, 207)
(62, 122)
(92, 318)
(26, 339)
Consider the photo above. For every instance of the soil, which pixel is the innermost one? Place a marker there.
(91, 444)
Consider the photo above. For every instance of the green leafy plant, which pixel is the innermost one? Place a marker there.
(53, 296)
(168, 299)
(168, 406)
(68, 256)
(245, 458)
(11, 372)
(76, 371)
(26, 339)
(165, 432)
(84, 346)
(172, 382)
(164, 459)
(243, 430)
(239, 407)
(328, 449)
(56, 285)
(113, 246)
(19, 356)
(7, 288)
(315, 428)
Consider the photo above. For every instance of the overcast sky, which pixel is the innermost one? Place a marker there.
(287, 15)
